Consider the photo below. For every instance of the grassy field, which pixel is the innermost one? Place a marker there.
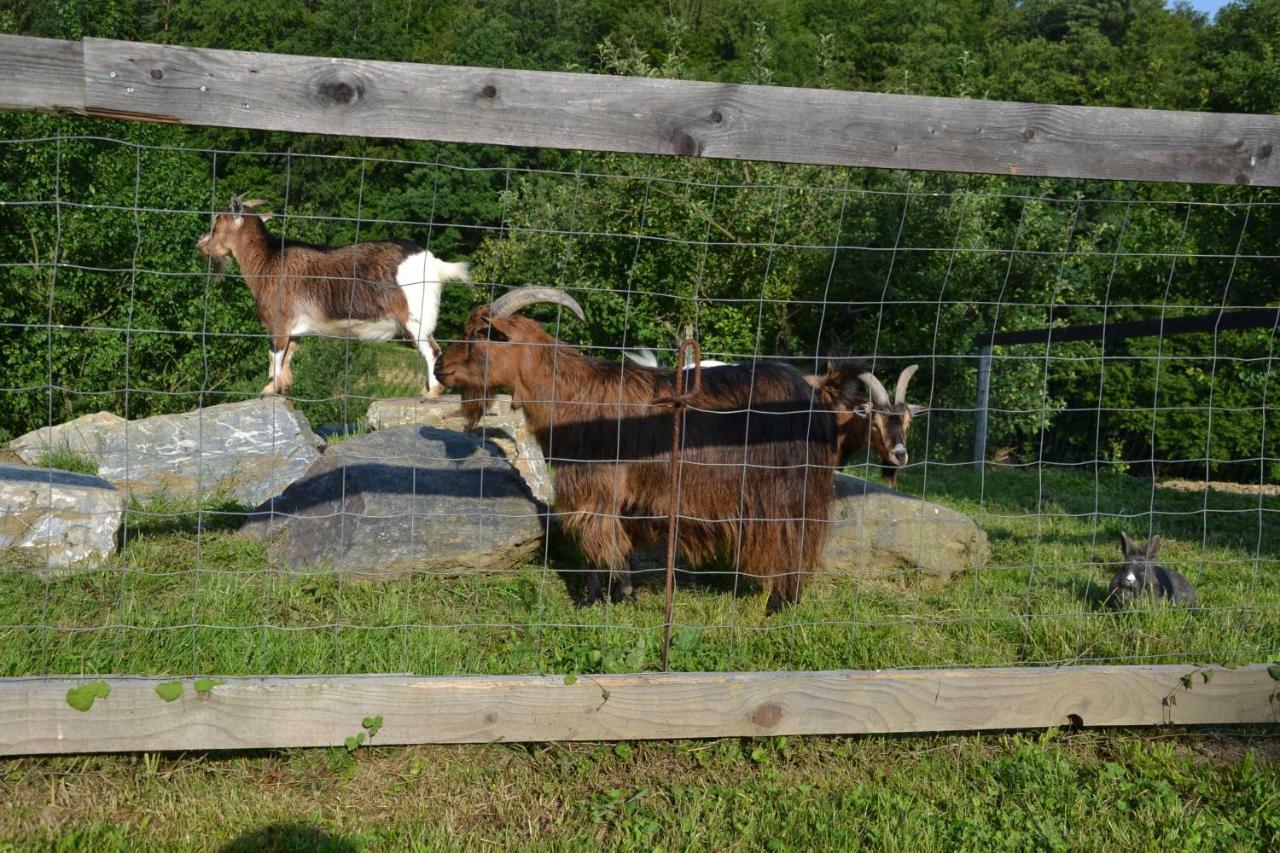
(1052, 790)
(186, 595)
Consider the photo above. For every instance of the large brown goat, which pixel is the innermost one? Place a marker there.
(758, 454)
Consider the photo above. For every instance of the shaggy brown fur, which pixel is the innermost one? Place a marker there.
(758, 457)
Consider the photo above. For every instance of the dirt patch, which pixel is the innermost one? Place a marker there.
(1267, 489)
(1230, 749)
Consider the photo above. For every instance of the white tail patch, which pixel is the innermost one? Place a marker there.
(421, 278)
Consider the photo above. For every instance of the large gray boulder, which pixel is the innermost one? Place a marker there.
(405, 499)
(877, 529)
(245, 451)
(505, 427)
(58, 519)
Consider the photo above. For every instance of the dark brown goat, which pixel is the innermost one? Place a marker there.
(877, 423)
(372, 291)
(758, 456)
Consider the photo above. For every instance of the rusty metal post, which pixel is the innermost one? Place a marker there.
(683, 393)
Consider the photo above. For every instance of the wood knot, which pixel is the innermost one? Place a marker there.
(490, 717)
(340, 91)
(767, 715)
(1264, 151)
(156, 74)
(1028, 134)
(715, 117)
(489, 91)
(684, 144)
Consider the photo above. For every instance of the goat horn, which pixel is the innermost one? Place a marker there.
(522, 297)
(900, 395)
(879, 396)
(253, 202)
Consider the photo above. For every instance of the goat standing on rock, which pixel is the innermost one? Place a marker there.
(758, 456)
(371, 291)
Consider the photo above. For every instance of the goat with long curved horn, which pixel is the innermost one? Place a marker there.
(900, 393)
(522, 297)
(879, 396)
(868, 428)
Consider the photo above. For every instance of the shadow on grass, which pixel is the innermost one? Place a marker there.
(160, 517)
(289, 837)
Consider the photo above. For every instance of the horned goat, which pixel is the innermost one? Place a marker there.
(375, 291)
(877, 423)
(758, 456)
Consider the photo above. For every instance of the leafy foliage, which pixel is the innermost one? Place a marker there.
(107, 306)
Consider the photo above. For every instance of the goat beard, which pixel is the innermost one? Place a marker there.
(218, 264)
(474, 403)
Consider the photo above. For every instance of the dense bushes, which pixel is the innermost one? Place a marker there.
(926, 261)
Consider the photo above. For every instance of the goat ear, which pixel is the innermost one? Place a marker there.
(1153, 545)
(495, 329)
(265, 216)
(917, 411)
(862, 410)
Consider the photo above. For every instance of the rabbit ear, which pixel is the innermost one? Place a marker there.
(1152, 547)
(1126, 544)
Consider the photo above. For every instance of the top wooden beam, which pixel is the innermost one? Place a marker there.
(647, 116)
(41, 74)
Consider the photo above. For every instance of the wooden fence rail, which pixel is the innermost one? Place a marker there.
(246, 713)
(307, 94)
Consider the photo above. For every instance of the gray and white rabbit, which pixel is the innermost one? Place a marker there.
(1141, 576)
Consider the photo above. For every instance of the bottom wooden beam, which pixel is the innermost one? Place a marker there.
(37, 717)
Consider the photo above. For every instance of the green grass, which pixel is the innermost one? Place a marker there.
(65, 459)
(1052, 790)
(186, 595)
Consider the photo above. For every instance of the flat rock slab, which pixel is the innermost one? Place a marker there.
(58, 519)
(876, 528)
(405, 499)
(504, 426)
(245, 451)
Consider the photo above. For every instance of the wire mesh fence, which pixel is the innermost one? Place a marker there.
(430, 554)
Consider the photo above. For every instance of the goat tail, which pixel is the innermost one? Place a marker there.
(446, 271)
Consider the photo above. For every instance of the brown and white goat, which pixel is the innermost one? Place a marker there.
(877, 424)
(376, 291)
(757, 461)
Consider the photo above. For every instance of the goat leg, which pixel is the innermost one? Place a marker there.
(784, 591)
(621, 588)
(593, 594)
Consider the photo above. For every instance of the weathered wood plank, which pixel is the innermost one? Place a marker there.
(1248, 318)
(640, 115)
(41, 74)
(321, 711)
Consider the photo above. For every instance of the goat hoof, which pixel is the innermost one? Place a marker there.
(622, 595)
(588, 600)
(432, 393)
